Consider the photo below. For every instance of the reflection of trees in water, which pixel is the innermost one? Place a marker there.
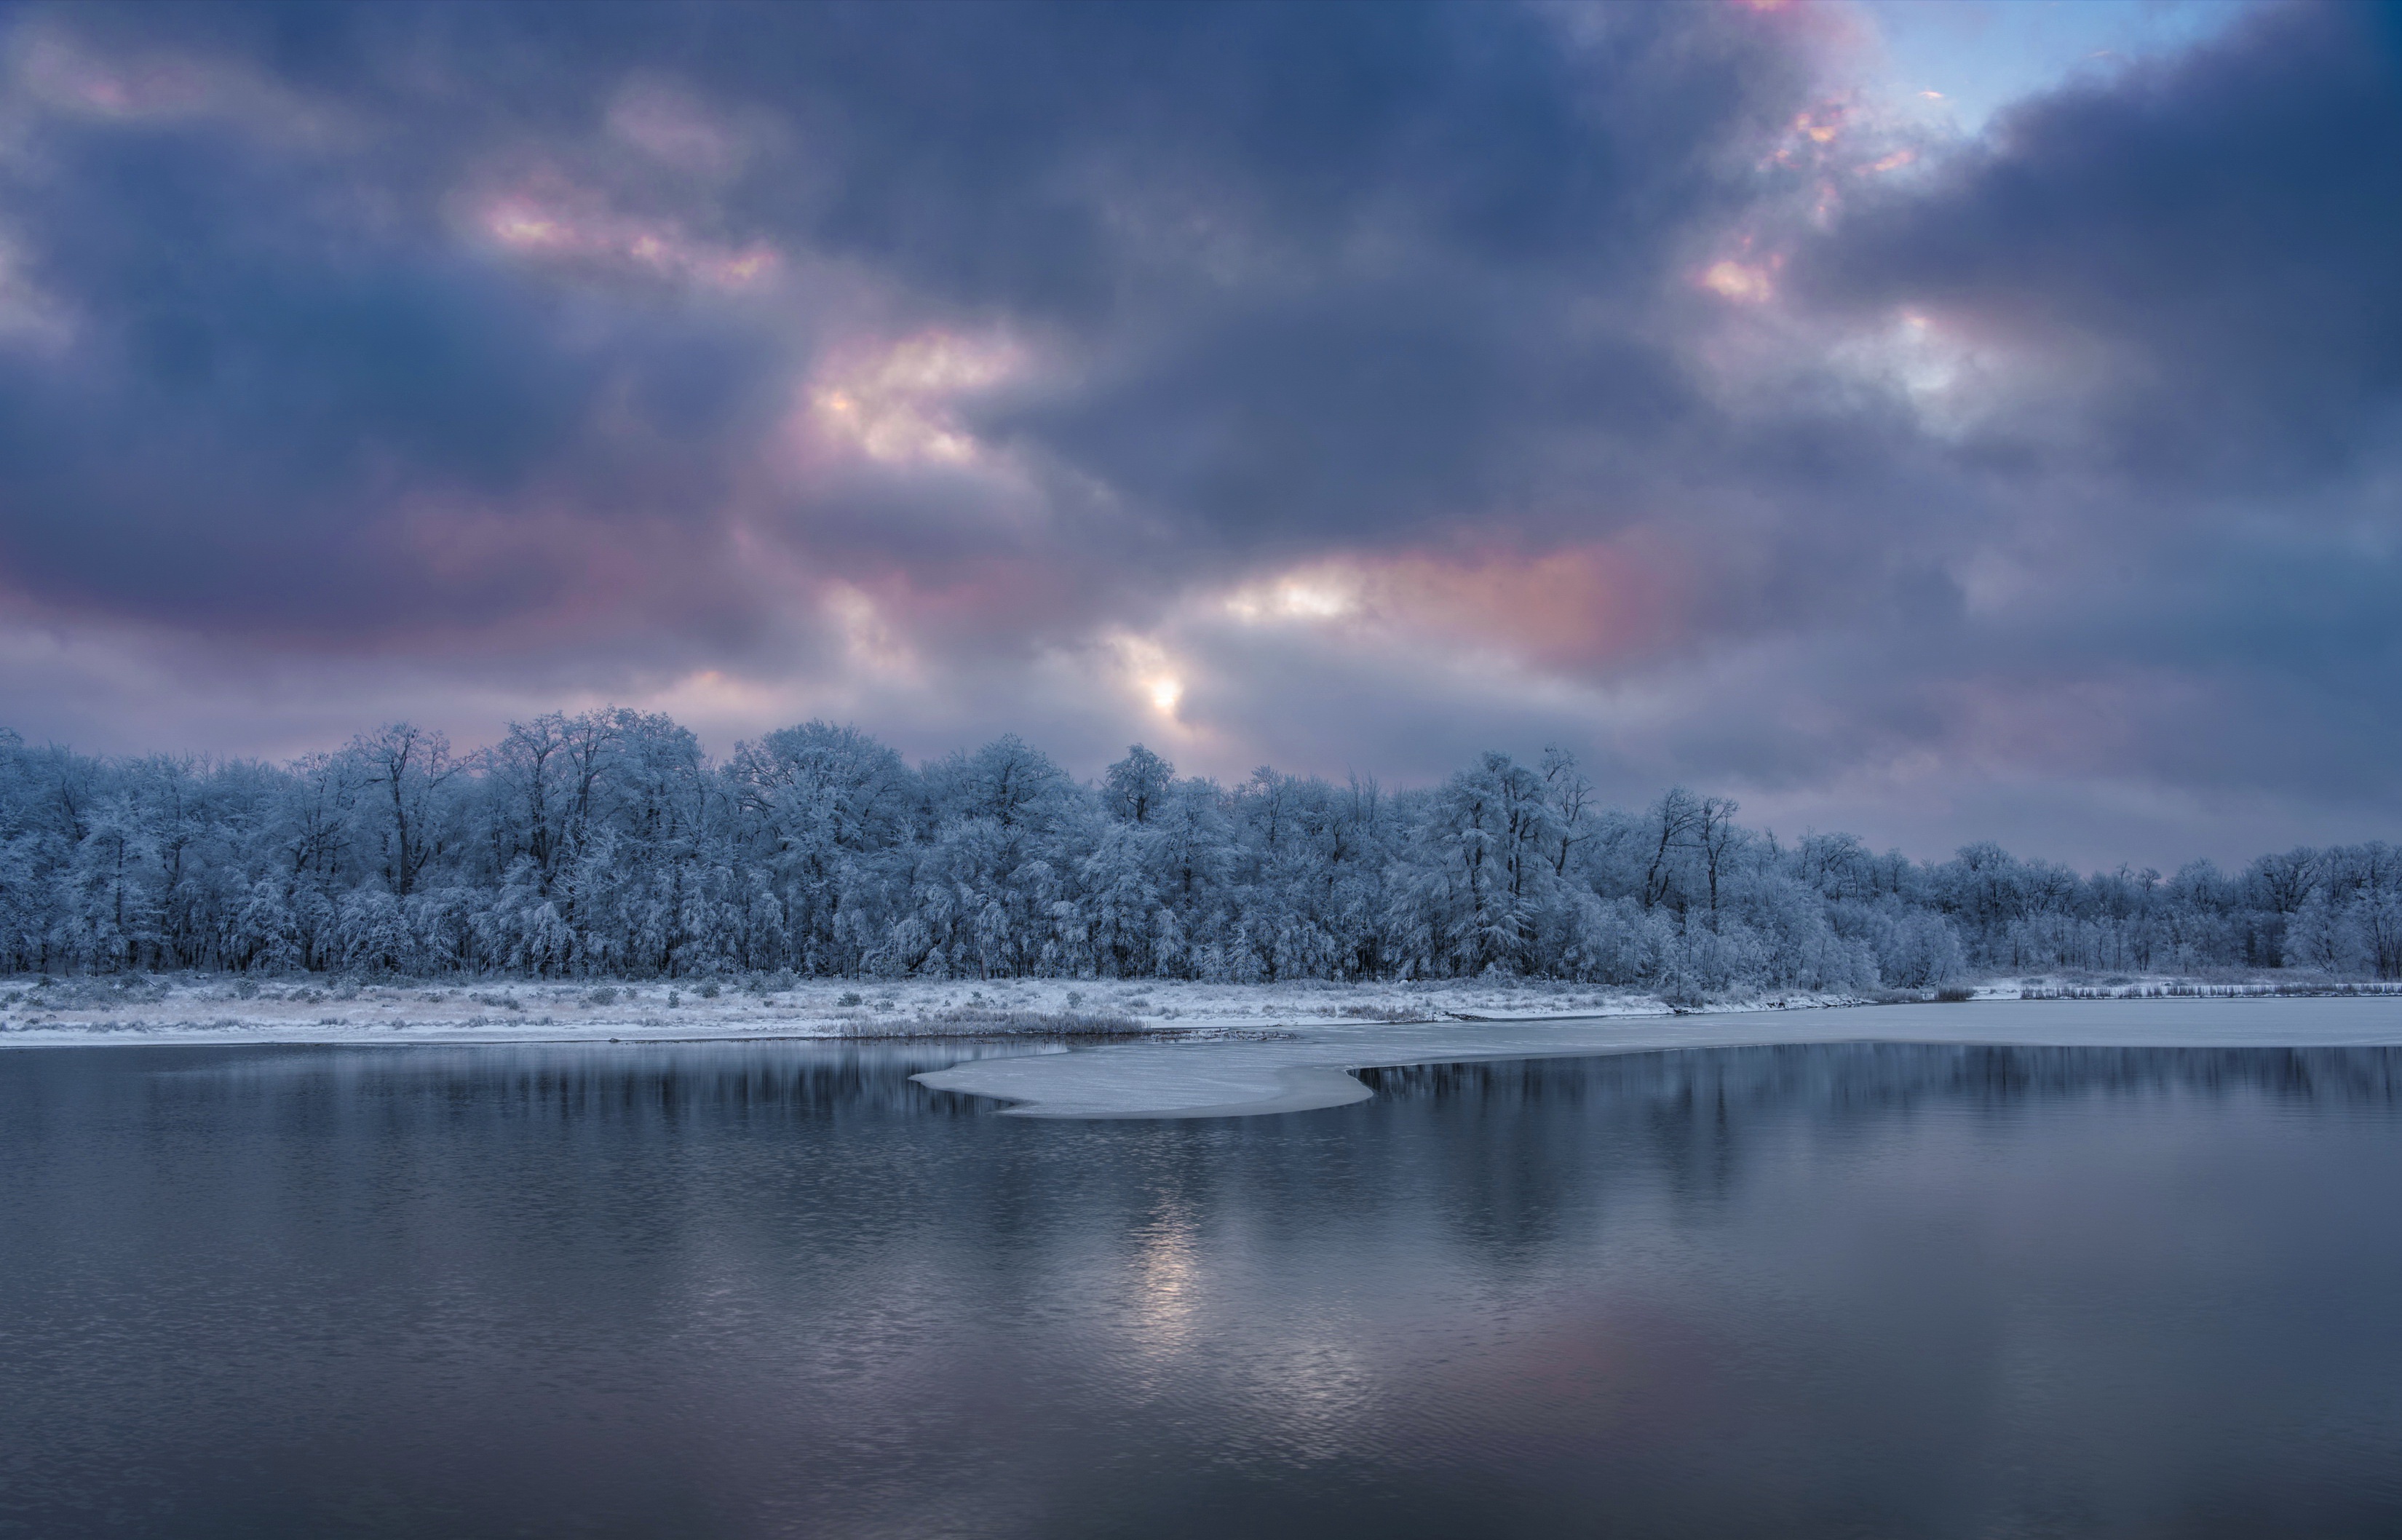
(1845, 1077)
(803, 1215)
(1529, 1142)
(1696, 1089)
(588, 1080)
(834, 1150)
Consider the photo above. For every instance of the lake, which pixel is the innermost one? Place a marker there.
(766, 1289)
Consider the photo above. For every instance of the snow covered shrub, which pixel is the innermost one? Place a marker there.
(1918, 950)
(2323, 937)
(1801, 949)
(1619, 943)
(372, 932)
(996, 1022)
(1700, 962)
(603, 996)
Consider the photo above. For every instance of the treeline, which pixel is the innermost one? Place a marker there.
(607, 844)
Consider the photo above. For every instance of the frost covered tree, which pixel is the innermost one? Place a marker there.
(1134, 788)
(605, 842)
(409, 769)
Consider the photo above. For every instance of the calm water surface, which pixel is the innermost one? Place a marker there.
(777, 1289)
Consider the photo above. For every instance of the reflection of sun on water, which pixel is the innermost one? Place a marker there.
(1166, 1280)
(1307, 1390)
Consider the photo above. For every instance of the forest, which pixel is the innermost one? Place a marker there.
(607, 844)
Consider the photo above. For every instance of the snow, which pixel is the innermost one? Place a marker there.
(212, 1009)
(1312, 1068)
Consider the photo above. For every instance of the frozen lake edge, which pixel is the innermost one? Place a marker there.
(1208, 1050)
(1313, 1068)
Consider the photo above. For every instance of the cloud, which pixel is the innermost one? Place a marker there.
(2203, 239)
(1349, 386)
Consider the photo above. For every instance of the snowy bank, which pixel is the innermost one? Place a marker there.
(215, 1009)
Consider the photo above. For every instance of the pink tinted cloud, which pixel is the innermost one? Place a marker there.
(1580, 608)
(549, 220)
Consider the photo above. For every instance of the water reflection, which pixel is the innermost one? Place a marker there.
(769, 1290)
(1849, 1077)
(593, 1079)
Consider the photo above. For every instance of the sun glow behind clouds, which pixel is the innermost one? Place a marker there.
(1146, 669)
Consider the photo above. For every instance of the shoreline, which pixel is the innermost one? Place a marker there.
(1317, 1069)
(1246, 1067)
(214, 1010)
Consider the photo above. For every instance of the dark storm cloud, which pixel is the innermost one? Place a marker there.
(2226, 224)
(264, 370)
(656, 336)
(1309, 258)
(2193, 266)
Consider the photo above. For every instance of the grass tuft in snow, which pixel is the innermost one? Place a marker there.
(974, 1021)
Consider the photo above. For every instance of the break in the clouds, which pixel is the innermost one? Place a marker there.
(1335, 386)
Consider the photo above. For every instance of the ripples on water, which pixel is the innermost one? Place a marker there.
(778, 1289)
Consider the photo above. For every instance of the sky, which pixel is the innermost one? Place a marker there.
(1939, 422)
